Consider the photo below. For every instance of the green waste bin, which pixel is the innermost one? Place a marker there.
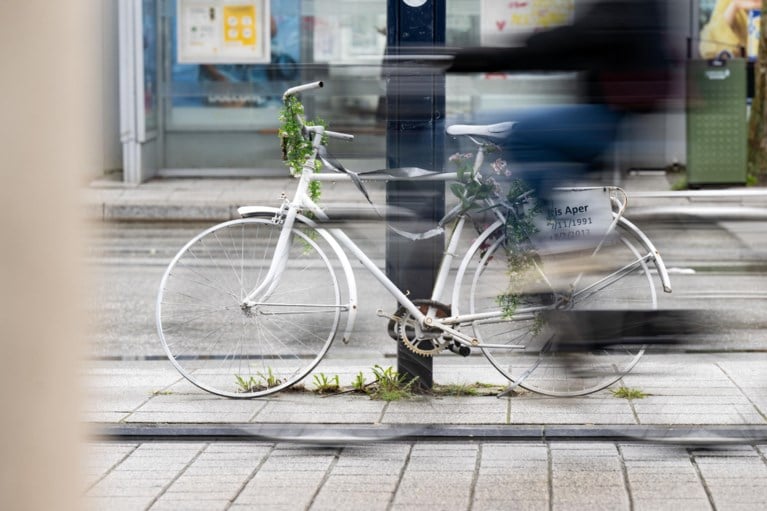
(717, 141)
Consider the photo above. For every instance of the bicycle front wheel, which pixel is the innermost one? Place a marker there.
(225, 346)
(618, 279)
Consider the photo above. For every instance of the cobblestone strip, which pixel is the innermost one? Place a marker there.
(473, 488)
(143, 476)
(512, 476)
(702, 481)
(624, 473)
(288, 480)
(101, 459)
(363, 478)
(438, 476)
(662, 478)
(740, 389)
(762, 450)
(587, 475)
(735, 477)
(214, 478)
(250, 477)
(399, 477)
(173, 481)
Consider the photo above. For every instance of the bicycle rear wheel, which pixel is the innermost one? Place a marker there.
(620, 280)
(234, 350)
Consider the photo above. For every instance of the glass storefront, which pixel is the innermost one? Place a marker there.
(222, 118)
(217, 113)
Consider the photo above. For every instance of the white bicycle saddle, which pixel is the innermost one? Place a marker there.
(499, 130)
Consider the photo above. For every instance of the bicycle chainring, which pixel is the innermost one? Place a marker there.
(425, 342)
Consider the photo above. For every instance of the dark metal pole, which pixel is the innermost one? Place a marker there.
(415, 137)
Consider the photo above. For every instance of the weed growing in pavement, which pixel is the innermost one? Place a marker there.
(466, 389)
(390, 385)
(258, 382)
(325, 385)
(360, 383)
(628, 393)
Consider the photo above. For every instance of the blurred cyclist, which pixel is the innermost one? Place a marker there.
(620, 49)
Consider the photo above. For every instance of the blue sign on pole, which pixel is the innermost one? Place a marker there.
(415, 138)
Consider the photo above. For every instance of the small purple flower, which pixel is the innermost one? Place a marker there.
(500, 167)
(458, 157)
(492, 182)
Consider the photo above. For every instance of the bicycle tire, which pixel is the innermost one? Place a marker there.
(235, 351)
(537, 366)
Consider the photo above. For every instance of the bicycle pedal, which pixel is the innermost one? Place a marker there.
(462, 350)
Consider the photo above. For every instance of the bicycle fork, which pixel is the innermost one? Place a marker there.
(280, 257)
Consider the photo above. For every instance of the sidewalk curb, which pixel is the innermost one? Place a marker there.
(337, 434)
(212, 200)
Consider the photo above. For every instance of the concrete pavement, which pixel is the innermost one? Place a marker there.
(398, 476)
(695, 390)
(158, 442)
(697, 441)
(699, 390)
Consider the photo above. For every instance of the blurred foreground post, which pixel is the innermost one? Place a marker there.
(50, 56)
(415, 137)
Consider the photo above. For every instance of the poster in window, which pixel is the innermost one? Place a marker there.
(501, 20)
(216, 31)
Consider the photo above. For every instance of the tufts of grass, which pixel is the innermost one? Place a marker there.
(325, 385)
(628, 393)
(390, 385)
(259, 382)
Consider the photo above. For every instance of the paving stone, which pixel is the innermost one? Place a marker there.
(685, 491)
(117, 503)
(366, 499)
(670, 504)
(104, 417)
(512, 503)
(650, 452)
(537, 491)
(170, 504)
(201, 417)
(446, 411)
(311, 408)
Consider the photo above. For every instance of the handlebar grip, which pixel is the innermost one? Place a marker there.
(301, 88)
(342, 136)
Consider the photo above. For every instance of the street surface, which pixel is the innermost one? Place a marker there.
(715, 267)
(460, 475)
(721, 269)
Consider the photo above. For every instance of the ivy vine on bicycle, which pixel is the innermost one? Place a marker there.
(472, 189)
(296, 147)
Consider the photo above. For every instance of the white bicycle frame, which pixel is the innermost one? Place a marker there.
(291, 211)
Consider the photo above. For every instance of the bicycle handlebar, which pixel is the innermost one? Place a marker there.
(309, 86)
(301, 88)
(338, 135)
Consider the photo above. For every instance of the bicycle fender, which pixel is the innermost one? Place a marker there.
(351, 282)
(659, 264)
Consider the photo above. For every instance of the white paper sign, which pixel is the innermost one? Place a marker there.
(502, 19)
(216, 31)
(580, 216)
